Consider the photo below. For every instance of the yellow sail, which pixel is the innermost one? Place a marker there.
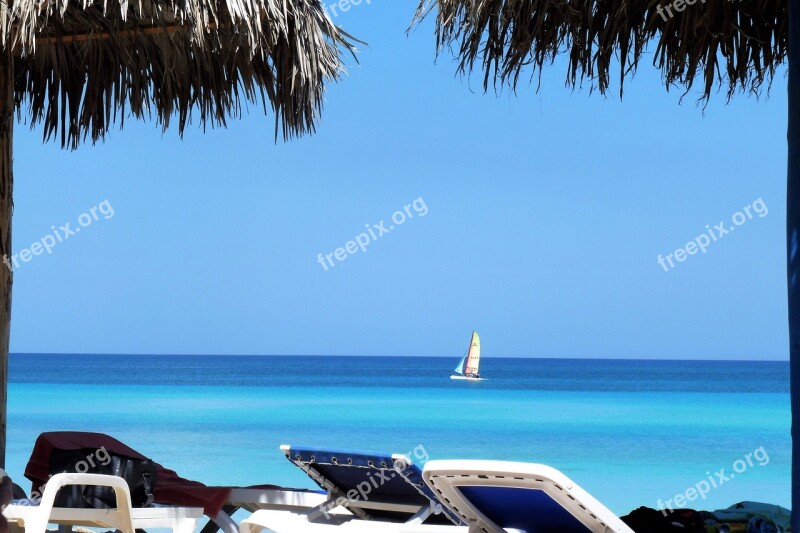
(473, 356)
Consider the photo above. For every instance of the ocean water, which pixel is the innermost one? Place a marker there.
(630, 432)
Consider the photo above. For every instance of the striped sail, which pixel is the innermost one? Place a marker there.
(473, 357)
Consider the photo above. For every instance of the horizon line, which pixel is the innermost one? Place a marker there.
(571, 358)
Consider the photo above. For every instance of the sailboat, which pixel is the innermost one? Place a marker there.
(467, 369)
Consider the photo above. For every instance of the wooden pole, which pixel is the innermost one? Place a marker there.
(793, 247)
(165, 29)
(6, 209)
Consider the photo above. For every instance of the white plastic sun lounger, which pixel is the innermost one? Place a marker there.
(364, 491)
(29, 515)
(35, 518)
(500, 496)
(283, 522)
(254, 499)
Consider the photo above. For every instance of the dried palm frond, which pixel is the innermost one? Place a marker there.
(732, 43)
(83, 65)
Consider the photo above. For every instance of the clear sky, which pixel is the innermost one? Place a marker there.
(544, 216)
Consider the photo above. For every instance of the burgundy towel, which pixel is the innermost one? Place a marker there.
(171, 489)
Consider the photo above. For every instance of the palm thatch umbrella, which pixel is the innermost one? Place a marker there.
(733, 44)
(77, 67)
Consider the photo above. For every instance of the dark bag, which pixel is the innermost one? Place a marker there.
(646, 520)
(140, 474)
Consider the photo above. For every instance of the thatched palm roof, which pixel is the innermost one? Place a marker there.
(82, 65)
(735, 43)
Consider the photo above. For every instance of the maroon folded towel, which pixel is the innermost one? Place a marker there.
(171, 489)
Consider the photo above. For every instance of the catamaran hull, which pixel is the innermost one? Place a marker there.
(465, 378)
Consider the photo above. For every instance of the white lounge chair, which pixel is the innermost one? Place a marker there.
(283, 522)
(500, 496)
(172, 492)
(254, 499)
(365, 491)
(35, 518)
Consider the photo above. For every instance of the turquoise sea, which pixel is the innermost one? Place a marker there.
(630, 432)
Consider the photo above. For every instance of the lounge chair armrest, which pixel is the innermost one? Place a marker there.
(119, 485)
(58, 481)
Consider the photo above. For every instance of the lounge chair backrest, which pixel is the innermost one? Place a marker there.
(495, 496)
(371, 485)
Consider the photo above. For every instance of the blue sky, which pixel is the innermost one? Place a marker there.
(545, 215)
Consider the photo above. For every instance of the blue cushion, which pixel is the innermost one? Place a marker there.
(530, 510)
